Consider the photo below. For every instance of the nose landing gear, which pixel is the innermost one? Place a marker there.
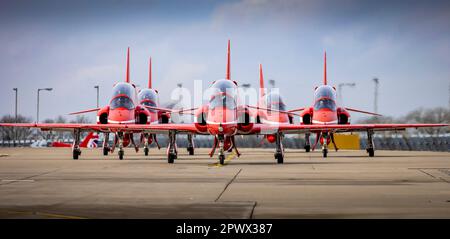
(172, 149)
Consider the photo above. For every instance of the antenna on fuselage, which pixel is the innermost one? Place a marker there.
(325, 69)
(228, 76)
(150, 74)
(128, 66)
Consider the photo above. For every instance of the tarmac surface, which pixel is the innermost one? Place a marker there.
(47, 183)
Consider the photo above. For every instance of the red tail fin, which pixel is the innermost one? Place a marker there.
(325, 69)
(150, 74)
(228, 77)
(261, 81)
(128, 66)
(85, 142)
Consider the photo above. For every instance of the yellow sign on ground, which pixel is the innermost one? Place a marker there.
(346, 141)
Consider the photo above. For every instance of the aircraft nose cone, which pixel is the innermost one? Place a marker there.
(119, 115)
(325, 116)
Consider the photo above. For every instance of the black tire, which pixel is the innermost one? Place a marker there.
(171, 158)
(105, 151)
(307, 148)
(146, 150)
(279, 158)
(191, 150)
(325, 153)
(222, 159)
(121, 153)
(75, 155)
(371, 152)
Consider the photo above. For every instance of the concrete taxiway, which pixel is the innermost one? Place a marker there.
(47, 183)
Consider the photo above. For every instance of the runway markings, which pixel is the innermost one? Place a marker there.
(228, 184)
(229, 158)
(50, 215)
(17, 180)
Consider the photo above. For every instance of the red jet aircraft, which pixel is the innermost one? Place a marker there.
(222, 117)
(326, 113)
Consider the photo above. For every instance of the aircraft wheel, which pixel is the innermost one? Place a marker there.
(76, 154)
(222, 159)
(171, 158)
(105, 151)
(325, 153)
(191, 150)
(146, 150)
(307, 148)
(121, 153)
(279, 157)
(371, 152)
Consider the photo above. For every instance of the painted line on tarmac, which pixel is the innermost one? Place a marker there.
(50, 215)
(229, 158)
(17, 180)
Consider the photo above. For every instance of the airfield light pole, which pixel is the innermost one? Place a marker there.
(15, 117)
(340, 90)
(375, 99)
(37, 114)
(97, 87)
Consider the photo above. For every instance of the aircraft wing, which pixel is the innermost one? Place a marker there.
(131, 128)
(293, 129)
(190, 128)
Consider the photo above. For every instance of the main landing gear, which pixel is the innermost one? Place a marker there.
(172, 147)
(307, 144)
(370, 147)
(279, 153)
(76, 151)
(106, 148)
(190, 147)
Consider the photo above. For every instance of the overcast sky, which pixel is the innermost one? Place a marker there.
(73, 46)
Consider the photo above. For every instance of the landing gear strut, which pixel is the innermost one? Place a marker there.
(325, 144)
(190, 147)
(307, 144)
(121, 152)
(279, 153)
(76, 151)
(172, 149)
(334, 142)
(221, 149)
(370, 147)
(144, 137)
(233, 145)
(105, 144)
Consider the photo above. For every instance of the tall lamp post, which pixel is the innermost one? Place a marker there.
(37, 114)
(97, 87)
(15, 117)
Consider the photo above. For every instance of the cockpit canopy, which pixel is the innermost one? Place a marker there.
(123, 96)
(325, 91)
(224, 86)
(222, 100)
(274, 101)
(148, 97)
(325, 103)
